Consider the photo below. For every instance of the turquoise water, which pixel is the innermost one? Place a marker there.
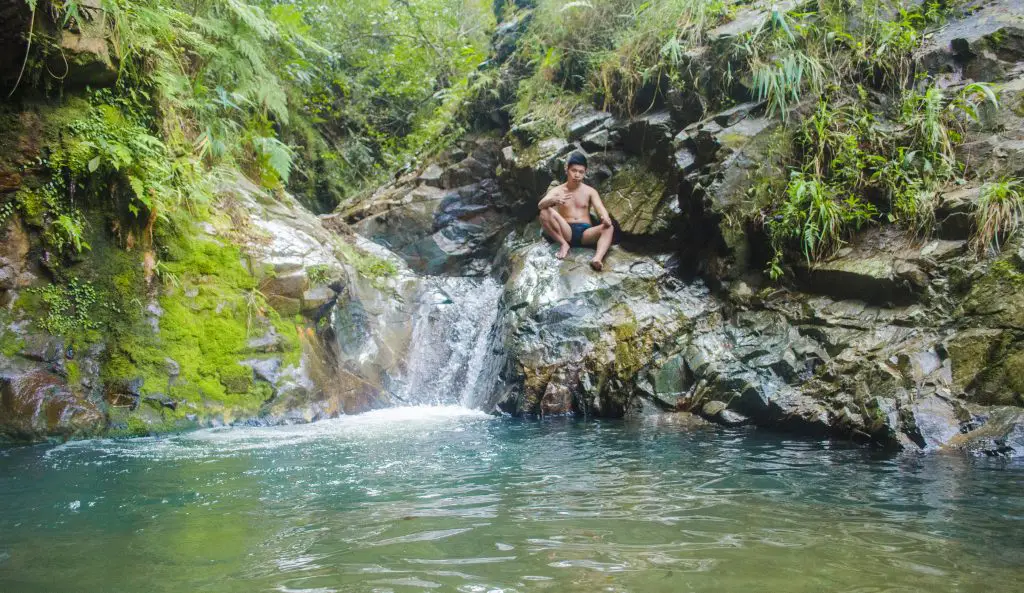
(445, 499)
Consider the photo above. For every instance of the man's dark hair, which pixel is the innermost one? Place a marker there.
(576, 158)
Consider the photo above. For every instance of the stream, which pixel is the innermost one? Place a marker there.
(450, 499)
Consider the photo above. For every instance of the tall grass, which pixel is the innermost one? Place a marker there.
(998, 215)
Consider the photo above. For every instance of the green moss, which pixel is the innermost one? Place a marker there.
(630, 348)
(371, 267)
(1018, 105)
(1014, 366)
(74, 372)
(11, 343)
(209, 313)
(1006, 272)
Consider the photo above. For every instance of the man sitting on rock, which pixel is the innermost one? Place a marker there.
(565, 214)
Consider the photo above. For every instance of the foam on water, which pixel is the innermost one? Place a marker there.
(387, 423)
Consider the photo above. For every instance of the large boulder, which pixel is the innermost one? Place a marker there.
(882, 266)
(36, 403)
(581, 341)
(983, 46)
(638, 199)
(447, 219)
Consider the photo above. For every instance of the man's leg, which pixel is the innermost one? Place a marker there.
(602, 237)
(556, 228)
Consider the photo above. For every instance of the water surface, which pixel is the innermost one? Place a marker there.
(445, 499)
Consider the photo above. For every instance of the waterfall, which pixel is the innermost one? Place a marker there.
(451, 359)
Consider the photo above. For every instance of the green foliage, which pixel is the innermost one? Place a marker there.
(271, 87)
(209, 313)
(999, 214)
(609, 51)
(378, 271)
(69, 308)
(45, 206)
(318, 274)
(782, 61)
(848, 168)
(816, 218)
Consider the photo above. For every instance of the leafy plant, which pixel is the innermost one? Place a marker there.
(815, 218)
(999, 214)
(69, 308)
(318, 274)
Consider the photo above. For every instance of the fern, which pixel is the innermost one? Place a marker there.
(276, 154)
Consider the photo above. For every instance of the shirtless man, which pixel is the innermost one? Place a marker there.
(565, 214)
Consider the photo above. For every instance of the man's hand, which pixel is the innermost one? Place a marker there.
(555, 198)
(606, 221)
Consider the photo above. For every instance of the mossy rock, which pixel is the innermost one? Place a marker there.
(637, 198)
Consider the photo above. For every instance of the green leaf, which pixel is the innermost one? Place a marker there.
(94, 164)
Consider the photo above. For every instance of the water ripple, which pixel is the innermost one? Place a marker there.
(427, 499)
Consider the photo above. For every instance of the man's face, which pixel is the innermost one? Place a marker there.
(576, 173)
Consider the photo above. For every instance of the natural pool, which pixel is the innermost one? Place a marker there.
(446, 499)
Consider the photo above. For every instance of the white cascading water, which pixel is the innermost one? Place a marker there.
(451, 359)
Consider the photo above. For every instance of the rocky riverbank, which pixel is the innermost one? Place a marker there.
(268, 313)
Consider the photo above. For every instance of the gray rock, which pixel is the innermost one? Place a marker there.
(1001, 433)
(264, 369)
(592, 333)
(316, 297)
(35, 404)
(431, 176)
(651, 133)
(583, 125)
(599, 140)
(982, 46)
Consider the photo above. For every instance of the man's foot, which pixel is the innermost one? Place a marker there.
(597, 265)
(564, 251)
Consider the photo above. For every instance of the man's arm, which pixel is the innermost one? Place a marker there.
(554, 197)
(602, 213)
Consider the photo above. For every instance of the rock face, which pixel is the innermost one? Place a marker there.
(441, 281)
(577, 341)
(443, 219)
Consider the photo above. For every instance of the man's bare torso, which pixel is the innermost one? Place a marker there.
(577, 207)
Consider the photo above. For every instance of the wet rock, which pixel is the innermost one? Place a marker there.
(996, 297)
(954, 214)
(600, 140)
(719, 413)
(14, 262)
(637, 198)
(466, 172)
(1001, 434)
(685, 107)
(608, 326)
(982, 46)
(285, 306)
(123, 394)
(557, 399)
(666, 382)
(935, 422)
(651, 133)
(291, 285)
(35, 404)
(437, 231)
(872, 269)
(264, 369)
(316, 298)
